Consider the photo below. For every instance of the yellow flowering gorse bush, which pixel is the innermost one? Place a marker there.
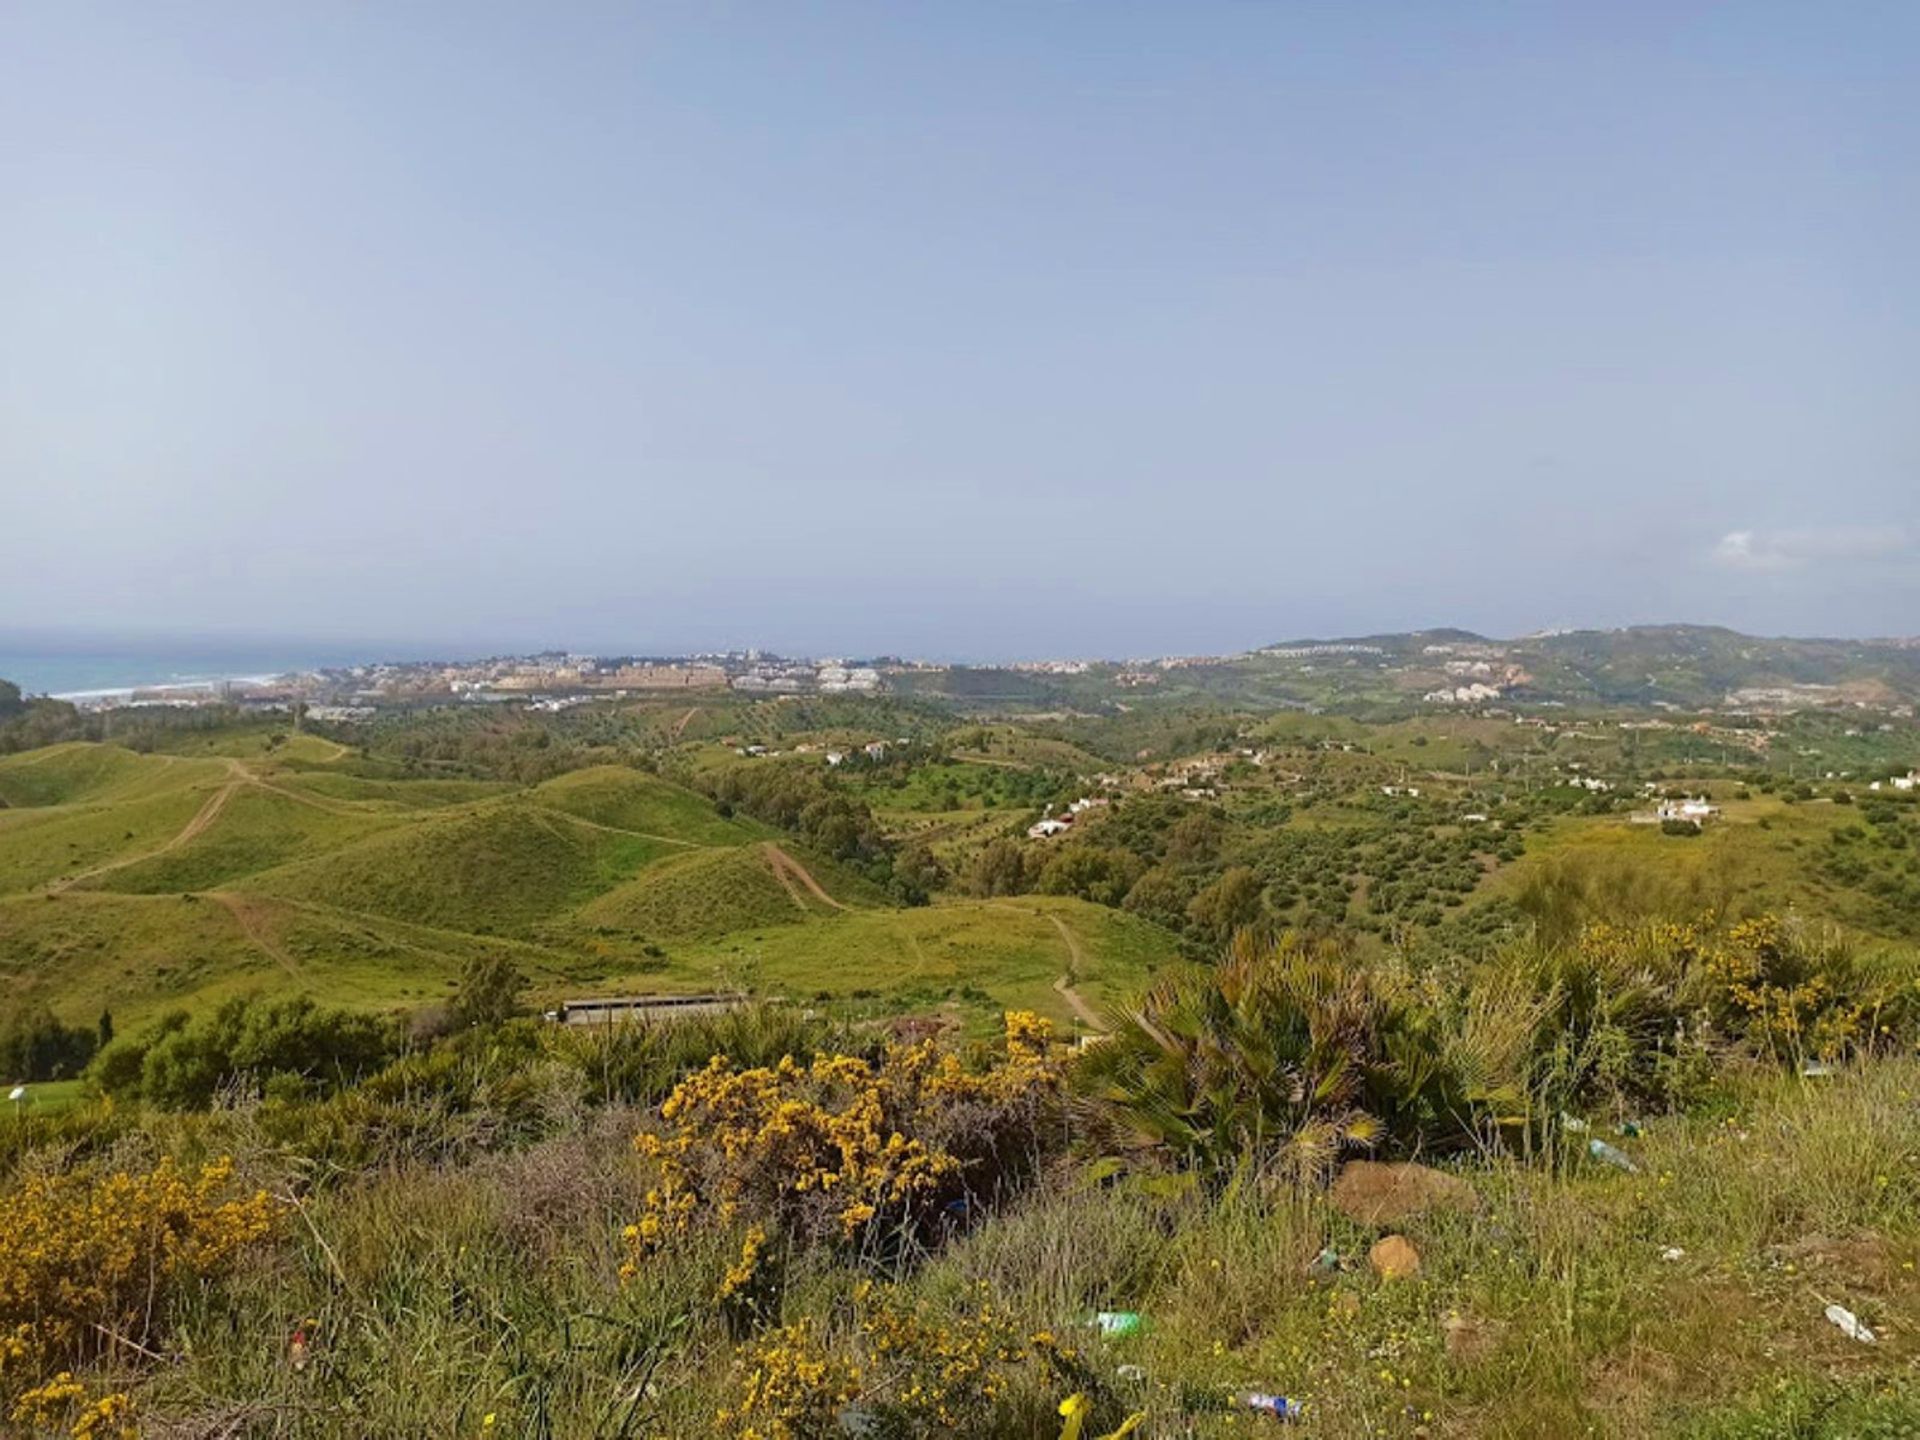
(62, 1404)
(1763, 981)
(791, 1387)
(87, 1261)
(911, 1369)
(1778, 997)
(933, 1371)
(831, 1148)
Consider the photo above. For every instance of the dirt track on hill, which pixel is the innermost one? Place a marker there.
(680, 728)
(621, 829)
(191, 831)
(246, 915)
(202, 821)
(1076, 958)
(331, 806)
(789, 870)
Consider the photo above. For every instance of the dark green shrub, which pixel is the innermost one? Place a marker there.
(184, 1062)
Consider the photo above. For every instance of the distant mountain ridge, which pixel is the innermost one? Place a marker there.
(1678, 630)
(1678, 664)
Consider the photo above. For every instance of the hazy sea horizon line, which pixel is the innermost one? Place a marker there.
(96, 675)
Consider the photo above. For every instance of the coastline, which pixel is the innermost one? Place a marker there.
(167, 687)
(106, 676)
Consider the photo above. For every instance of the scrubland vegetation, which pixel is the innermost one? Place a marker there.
(277, 1219)
(297, 1157)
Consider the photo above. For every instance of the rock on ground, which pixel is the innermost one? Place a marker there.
(1369, 1192)
(1393, 1257)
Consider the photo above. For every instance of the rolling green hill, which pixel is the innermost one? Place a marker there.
(374, 794)
(140, 954)
(500, 867)
(702, 894)
(256, 829)
(55, 843)
(624, 799)
(78, 773)
(145, 881)
(980, 955)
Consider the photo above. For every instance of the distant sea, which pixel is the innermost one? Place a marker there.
(75, 671)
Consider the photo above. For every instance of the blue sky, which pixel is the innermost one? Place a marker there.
(962, 329)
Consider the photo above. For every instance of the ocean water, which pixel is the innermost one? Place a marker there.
(48, 670)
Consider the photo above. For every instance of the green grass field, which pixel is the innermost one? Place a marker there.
(162, 880)
(624, 799)
(1751, 859)
(976, 956)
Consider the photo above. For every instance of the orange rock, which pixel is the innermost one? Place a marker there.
(1393, 1257)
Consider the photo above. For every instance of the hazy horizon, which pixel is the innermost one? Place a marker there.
(135, 654)
(988, 332)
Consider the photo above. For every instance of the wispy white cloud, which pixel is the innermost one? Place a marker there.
(1774, 550)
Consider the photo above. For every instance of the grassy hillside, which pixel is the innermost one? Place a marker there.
(376, 793)
(1761, 854)
(64, 774)
(503, 867)
(141, 954)
(702, 894)
(66, 842)
(276, 872)
(625, 799)
(159, 880)
(256, 829)
(976, 956)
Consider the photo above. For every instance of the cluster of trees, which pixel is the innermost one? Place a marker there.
(184, 1061)
(28, 723)
(491, 745)
(1191, 869)
(1156, 857)
(35, 1044)
(807, 802)
(803, 800)
(283, 1046)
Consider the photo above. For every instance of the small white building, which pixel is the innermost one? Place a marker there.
(1052, 825)
(1694, 809)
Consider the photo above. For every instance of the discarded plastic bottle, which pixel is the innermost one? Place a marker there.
(1278, 1406)
(1118, 1323)
(1602, 1151)
(1851, 1325)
